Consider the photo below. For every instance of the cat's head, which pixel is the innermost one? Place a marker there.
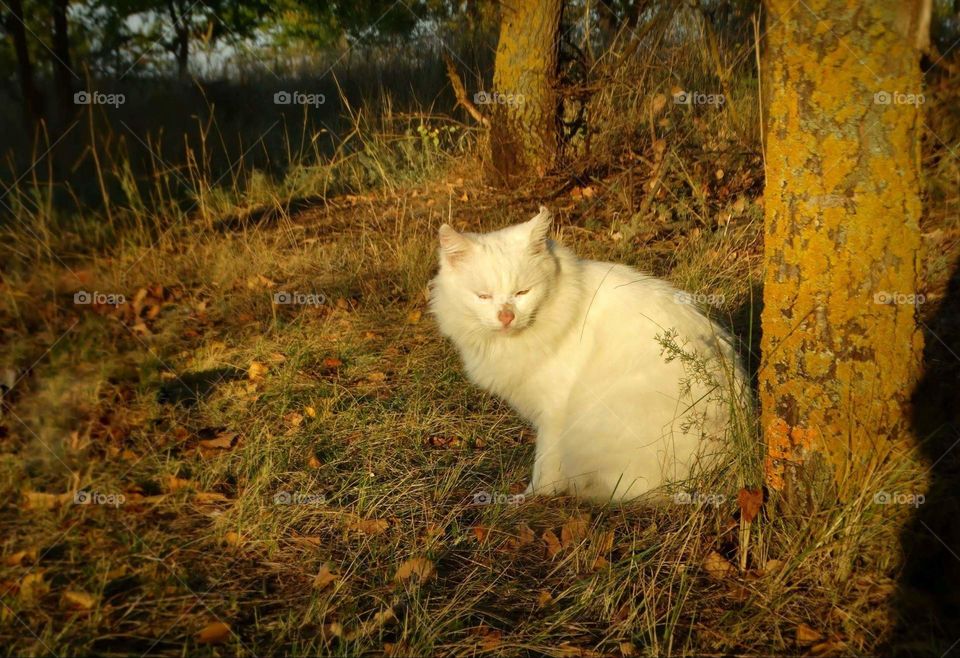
(496, 281)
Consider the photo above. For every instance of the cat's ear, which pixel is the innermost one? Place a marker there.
(540, 229)
(453, 246)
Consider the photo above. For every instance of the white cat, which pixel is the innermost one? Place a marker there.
(576, 347)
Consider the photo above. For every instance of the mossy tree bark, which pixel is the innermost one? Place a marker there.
(524, 127)
(841, 346)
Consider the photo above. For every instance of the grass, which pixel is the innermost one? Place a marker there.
(263, 448)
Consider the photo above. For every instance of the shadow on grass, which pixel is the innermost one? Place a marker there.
(190, 388)
(927, 600)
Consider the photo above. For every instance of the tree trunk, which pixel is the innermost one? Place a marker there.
(524, 128)
(62, 73)
(841, 348)
(32, 103)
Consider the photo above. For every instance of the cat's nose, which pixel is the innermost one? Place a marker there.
(505, 316)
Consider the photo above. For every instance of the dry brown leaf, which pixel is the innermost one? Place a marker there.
(552, 543)
(174, 483)
(17, 559)
(377, 376)
(544, 598)
(368, 526)
(772, 567)
(332, 362)
(221, 441)
(420, 567)
(574, 531)
(604, 541)
(33, 586)
(599, 563)
(480, 532)
(78, 600)
(210, 497)
(215, 632)
(525, 535)
(310, 412)
(750, 502)
(324, 578)
(233, 538)
(413, 317)
(718, 566)
(807, 635)
(628, 649)
(256, 371)
(41, 500)
(313, 462)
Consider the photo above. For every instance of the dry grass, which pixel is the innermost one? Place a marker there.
(357, 412)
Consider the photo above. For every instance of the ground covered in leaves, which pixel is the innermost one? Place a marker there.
(252, 440)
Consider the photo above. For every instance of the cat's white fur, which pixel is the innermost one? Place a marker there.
(581, 360)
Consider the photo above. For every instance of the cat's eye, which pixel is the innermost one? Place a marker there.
(521, 292)
(483, 295)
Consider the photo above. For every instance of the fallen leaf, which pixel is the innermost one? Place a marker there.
(544, 598)
(377, 376)
(718, 566)
(33, 586)
(233, 538)
(772, 566)
(20, 557)
(313, 462)
(210, 497)
(420, 567)
(310, 411)
(599, 563)
(256, 371)
(368, 526)
(628, 649)
(574, 531)
(221, 441)
(750, 502)
(174, 483)
(525, 535)
(332, 362)
(413, 317)
(552, 543)
(324, 578)
(215, 632)
(807, 635)
(480, 532)
(78, 600)
(41, 500)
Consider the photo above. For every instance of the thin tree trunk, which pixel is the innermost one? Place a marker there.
(32, 102)
(524, 135)
(841, 346)
(62, 72)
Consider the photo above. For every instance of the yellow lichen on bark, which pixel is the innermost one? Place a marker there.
(524, 126)
(841, 235)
